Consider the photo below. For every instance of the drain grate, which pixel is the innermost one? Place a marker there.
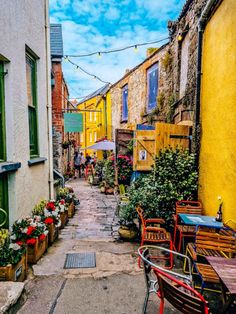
(80, 260)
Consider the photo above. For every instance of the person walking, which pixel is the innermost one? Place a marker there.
(77, 164)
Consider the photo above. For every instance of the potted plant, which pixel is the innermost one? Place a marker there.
(65, 144)
(67, 194)
(125, 169)
(13, 259)
(50, 216)
(128, 230)
(32, 232)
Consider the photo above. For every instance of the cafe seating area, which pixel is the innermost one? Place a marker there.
(210, 245)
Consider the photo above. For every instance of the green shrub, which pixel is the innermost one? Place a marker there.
(173, 178)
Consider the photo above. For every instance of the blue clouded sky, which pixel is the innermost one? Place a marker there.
(95, 25)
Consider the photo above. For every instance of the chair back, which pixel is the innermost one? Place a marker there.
(140, 214)
(189, 207)
(180, 295)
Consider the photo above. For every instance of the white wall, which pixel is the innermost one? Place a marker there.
(22, 23)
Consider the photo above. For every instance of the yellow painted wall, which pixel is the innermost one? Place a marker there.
(218, 112)
(99, 122)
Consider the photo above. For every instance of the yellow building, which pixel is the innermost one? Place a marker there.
(218, 111)
(96, 119)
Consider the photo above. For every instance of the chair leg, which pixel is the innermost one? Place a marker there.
(180, 241)
(145, 302)
(161, 311)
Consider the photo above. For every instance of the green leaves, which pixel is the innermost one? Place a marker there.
(173, 177)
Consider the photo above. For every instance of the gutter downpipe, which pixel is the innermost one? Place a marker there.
(201, 27)
(49, 100)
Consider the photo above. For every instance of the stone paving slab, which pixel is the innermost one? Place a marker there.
(9, 294)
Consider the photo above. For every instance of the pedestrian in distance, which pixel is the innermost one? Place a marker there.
(77, 164)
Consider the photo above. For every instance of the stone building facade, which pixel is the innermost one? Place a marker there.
(60, 95)
(177, 67)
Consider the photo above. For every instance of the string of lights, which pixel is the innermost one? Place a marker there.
(86, 72)
(100, 53)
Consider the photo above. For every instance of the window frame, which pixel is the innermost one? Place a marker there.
(2, 113)
(154, 67)
(31, 60)
(125, 114)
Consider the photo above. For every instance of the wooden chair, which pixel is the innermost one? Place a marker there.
(208, 277)
(146, 253)
(211, 243)
(185, 231)
(155, 234)
(180, 295)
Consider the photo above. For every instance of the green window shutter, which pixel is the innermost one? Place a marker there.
(31, 73)
(2, 116)
(4, 215)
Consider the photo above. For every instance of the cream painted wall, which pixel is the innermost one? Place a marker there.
(218, 112)
(23, 23)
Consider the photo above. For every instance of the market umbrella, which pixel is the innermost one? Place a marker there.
(103, 145)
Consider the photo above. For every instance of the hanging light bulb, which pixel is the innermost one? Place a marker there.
(94, 77)
(180, 37)
(77, 68)
(136, 48)
(99, 55)
(66, 59)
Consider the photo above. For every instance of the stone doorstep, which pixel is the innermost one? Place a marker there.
(10, 292)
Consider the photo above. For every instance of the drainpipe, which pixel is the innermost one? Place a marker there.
(49, 100)
(201, 27)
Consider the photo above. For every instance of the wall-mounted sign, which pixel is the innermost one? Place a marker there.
(142, 155)
(73, 122)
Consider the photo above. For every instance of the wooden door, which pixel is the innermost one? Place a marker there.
(144, 150)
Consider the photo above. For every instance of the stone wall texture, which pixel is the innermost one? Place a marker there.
(177, 77)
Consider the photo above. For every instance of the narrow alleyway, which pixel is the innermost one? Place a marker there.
(115, 285)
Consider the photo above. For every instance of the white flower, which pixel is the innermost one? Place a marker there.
(37, 218)
(55, 214)
(13, 237)
(46, 232)
(14, 246)
(59, 223)
(25, 230)
(33, 224)
(19, 221)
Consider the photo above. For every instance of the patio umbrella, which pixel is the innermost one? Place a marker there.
(103, 145)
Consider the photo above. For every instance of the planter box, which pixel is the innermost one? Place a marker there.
(71, 210)
(15, 272)
(36, 251)
(53, 233)
(64, 219)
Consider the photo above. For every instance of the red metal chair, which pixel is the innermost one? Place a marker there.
(174, 287)
(155, 234)
(185, 231)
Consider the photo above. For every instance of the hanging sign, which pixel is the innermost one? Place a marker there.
(73, 122)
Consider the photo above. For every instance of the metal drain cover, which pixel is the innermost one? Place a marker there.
(80, 260)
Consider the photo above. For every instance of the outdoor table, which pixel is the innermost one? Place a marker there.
(226, 270)
(200, 220)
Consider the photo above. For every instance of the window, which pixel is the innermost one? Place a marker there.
(81, 137)
(125, 103)
(91, 116)
(184, 65)
(31, 81)
(2, 115)
(152, 87)
(95, 136)
(95, 116)
(91, 137)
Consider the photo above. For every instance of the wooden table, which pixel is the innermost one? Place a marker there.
(226, 270)
(200, 220)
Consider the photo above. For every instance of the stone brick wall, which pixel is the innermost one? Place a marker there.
(177, 77)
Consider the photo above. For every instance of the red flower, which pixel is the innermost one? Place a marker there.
(62, 202)
(42, 237)
(51, 206)
(19, 243)
(30, 230)
(31, 241)
(48, 221)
